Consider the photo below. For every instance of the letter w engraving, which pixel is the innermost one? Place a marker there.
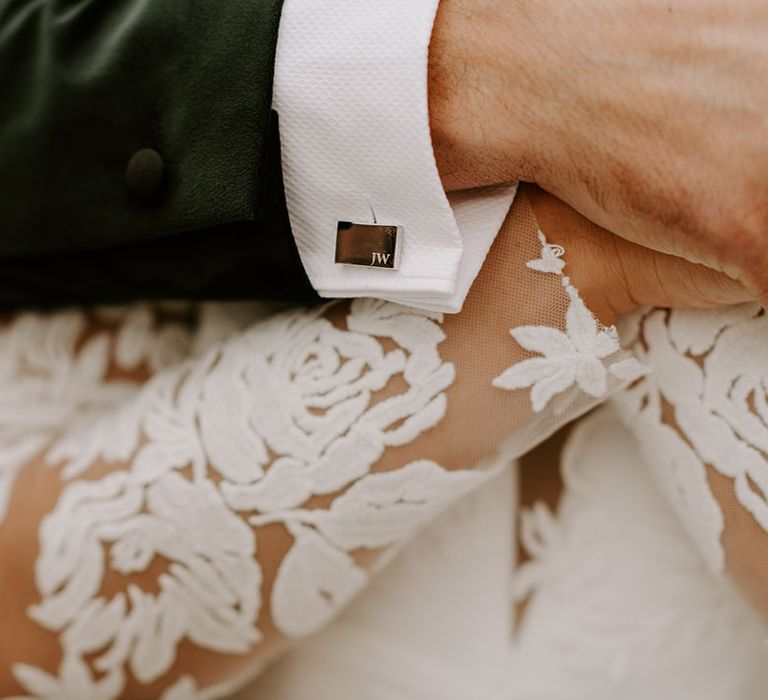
(380, 259)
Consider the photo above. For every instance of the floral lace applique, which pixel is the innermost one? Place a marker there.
(577, 355)
(619, 604)
(51, 380)
(704, 404)
(217, 450)
(279, 427)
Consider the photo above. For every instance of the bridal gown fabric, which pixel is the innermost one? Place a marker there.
(245, 427)
(625, 607)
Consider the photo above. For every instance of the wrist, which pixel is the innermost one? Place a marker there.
(479, 114)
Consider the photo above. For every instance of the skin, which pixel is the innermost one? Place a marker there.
(616, 276)
(648, 117)
(613, 275)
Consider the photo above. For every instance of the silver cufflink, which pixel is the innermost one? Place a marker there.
(369, 245)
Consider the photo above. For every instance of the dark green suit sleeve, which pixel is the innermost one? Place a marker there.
(86, 84)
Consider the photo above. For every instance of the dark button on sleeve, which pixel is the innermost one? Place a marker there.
(144, 175)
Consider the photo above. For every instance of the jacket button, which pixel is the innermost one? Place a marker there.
(144, 174)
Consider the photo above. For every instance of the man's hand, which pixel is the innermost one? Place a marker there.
(650, 117)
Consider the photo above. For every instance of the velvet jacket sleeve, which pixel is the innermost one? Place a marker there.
(139, 155)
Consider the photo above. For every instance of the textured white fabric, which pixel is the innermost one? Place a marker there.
(351, 91)
(436, 625)
(281, 426)
(623, 606)
(217, 490)
(710, 373)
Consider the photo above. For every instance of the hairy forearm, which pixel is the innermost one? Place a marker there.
(479, 120)
(648, 118)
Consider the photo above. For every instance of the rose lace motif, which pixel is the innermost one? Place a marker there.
(251, 435)
(279, 426)
(217, 449)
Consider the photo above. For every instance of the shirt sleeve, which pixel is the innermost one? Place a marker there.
(351, 92)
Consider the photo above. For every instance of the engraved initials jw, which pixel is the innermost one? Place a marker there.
(380, 258)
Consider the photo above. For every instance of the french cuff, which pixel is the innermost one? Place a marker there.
(351, 92)
(479, 215)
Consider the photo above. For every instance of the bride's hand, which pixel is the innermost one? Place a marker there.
(615, 276)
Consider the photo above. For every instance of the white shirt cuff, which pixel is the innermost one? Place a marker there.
(351, 91)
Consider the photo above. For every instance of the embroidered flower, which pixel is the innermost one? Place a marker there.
(569, 357)
(573, 356)
(551, 257)
(259, 423)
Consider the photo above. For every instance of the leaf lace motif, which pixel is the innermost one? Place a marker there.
(576, 355)
(242, 439)
(710, 372)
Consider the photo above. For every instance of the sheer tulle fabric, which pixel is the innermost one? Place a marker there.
(186, 491)
(701, 418)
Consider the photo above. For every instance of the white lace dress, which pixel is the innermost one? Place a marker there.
(622, 604)
(185, 493)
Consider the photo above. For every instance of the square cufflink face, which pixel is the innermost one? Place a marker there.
(367, 245)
